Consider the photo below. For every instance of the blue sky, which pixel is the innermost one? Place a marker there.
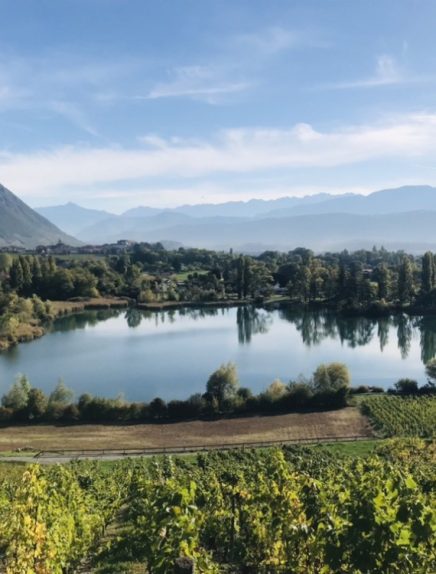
(117, 103)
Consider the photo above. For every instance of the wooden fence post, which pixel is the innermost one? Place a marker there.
(184, 565)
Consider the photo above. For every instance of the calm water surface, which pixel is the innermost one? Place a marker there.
(171, 354)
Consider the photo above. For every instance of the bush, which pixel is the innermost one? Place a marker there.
(224, 382)
(331, 377)
(6, 415)
(299, 395)
(406, 387)
(158, 409)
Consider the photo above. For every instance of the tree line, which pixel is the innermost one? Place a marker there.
(148, 272)
(328, 388)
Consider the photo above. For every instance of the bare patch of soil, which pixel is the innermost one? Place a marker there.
(348, 422)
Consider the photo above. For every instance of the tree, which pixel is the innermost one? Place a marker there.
(223, 383)
(406, 386)
(240, 279)
(158, 408)
(18, 395)
(5, 262)
(331, 377)
(384, 281)
(430, 369)
(27, 275)
(405, 281)
(16, 276)
(61, 394)
(36, 404)
(428, 272)
(276, 390)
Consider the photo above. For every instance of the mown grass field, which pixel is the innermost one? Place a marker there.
(183, 276)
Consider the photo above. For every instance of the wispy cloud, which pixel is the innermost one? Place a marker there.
(61, 85)
(269, 41)
(226, 72)
(237, 151)
(73, 114)
(387, 73)
(206, 83)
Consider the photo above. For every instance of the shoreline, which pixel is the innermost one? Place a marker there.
(28, 332)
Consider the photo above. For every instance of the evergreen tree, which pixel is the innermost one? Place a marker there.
(383, 276)
(27, 276)
(428, 272)
(18, 395)
(61, 394)
(405, 281)
(36, 404)
(16, 276)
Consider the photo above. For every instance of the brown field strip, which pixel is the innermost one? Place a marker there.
(348, 422)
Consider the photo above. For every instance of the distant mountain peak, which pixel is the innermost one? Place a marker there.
(73, 218)
(332, 221)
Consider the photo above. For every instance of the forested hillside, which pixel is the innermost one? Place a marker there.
(22, 226)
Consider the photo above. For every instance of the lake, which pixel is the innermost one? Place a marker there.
(171, 353)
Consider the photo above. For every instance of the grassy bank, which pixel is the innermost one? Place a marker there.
(65, 307)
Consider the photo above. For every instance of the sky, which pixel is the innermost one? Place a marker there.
(117, 103)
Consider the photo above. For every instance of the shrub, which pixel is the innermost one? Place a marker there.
(406, 387)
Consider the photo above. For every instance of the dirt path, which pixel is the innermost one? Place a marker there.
(348, 422)
(63, 456)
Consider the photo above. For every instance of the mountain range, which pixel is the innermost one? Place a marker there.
(401, 218)
(21, 226)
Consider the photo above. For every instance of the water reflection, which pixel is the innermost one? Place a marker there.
(314, 327)
(252, 321)
(172, 353)
(317, 326)
(133, 317)
(82, 320)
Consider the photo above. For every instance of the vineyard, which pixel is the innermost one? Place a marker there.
(402, 416)
(296, 510)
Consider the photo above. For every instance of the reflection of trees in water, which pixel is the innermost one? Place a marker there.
(316, 326)
(83, 319)
(251, 321)
(171, 315)
(427, 327)
(201, 312)
(133, 317)
(355, 331)
(404, 333)
(383, 332)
